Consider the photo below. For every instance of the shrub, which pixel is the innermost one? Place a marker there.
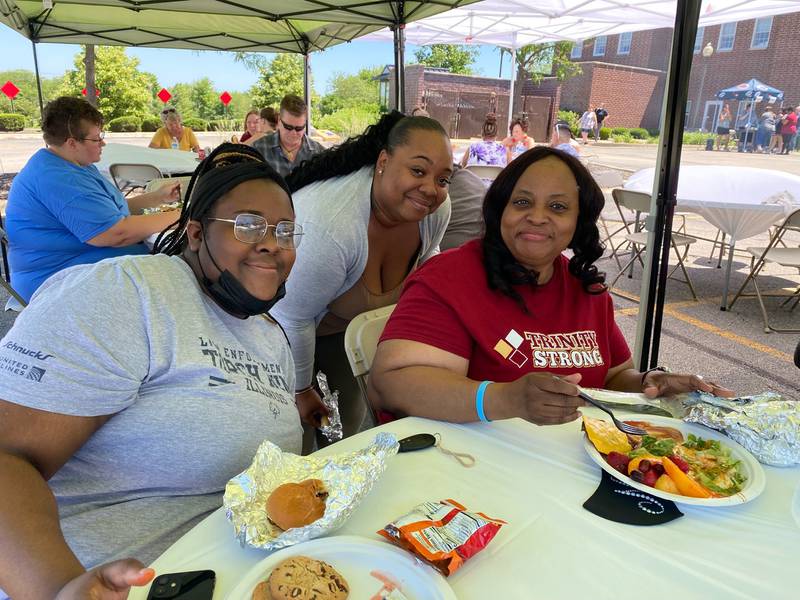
(350, 121)
(196, 124)
(151, 123)
(638, 133)
(619, 131)
(696, 137)
(572, 118)
(605, 133)
(125, 123)
(226, 125)
(12, 122)
(654, 132)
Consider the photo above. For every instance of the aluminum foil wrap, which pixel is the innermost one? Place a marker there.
(766, 424)
(332, 425)
(348, 478)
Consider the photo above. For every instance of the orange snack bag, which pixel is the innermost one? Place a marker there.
(442, 533)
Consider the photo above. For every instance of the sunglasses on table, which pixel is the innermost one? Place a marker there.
(252, 229)
(297, 128)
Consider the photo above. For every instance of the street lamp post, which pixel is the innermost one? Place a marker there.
(707, 51)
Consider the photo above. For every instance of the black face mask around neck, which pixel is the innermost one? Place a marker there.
(232, 296)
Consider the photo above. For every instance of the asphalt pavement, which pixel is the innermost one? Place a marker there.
(728, 347)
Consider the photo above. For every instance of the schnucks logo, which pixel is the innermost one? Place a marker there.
(38, 355)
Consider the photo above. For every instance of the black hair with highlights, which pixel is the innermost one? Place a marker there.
(392, 130)
(221, 171)
(503, 271)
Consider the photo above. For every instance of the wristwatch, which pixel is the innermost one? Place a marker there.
(659, 368)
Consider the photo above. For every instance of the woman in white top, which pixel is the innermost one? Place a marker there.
(587, 124)
(371, 209)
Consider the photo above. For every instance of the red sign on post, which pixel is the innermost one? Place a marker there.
(225, 98)
(10, 90)
(96, 92)
(164, 95)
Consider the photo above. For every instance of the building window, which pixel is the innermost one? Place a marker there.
(761, 33)
(577, 49)
(624, 45)
(698, 41)
(600, 45)
(727, 35)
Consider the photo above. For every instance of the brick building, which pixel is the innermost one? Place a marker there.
(627, 72)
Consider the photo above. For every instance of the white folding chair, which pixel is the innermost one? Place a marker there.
(785, 257)
(129, 177)
(639, 202)
(360, 343)
(486, 172)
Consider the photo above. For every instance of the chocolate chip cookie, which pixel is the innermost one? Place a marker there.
(303, 578)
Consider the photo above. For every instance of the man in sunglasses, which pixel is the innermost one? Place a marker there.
(62, 212)
(289, 145)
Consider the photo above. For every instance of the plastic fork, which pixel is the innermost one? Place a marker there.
(623, 427)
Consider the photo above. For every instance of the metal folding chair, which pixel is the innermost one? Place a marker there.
(16, 302)
(639, 202)
(360, 343)
(130, 177)
(486, 172)
(154, 184)
(783, 256)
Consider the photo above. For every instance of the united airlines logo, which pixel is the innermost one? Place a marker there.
(508, 348)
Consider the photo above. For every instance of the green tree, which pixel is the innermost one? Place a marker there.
(358, 90)
(536, 61)
(280, 76)
(240, 103)
(27, 101)
(182, 99)
(448, 56)
(124, 89)
(205, 99)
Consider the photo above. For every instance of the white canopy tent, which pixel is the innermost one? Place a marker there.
(300, 26)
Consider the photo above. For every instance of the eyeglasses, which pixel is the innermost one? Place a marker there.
(297, 128)
(100, 137)
(252, 229)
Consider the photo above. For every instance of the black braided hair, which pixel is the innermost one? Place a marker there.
(221, 171)
(503, 271)
(391, 131)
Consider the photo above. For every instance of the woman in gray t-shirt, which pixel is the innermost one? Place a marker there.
(133, 389)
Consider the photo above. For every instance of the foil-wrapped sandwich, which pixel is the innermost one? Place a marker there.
(766, 424)
(329, 487)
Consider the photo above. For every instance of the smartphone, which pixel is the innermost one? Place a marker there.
(192, 585)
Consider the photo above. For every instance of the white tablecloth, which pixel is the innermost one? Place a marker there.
(730, 198)
(167, 161)
(537, 479)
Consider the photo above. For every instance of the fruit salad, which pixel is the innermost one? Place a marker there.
(664, 460)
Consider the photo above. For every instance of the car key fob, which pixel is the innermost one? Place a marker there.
(418, 441)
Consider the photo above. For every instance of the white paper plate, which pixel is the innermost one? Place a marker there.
(354, 557)
(750, 467)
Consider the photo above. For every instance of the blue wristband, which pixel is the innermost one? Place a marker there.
(479, 400)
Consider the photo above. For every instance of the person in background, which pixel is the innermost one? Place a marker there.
(62, 212)
(488, 151)
(519, 141)
(766, 129)
(508, 326)
(289, 145)
(602, 114)
(562, 139)
(418, 111)
(588, 123)
(724, 127)
(466, 198)
(372, 209)
(252, 125)
(789, 130)
(135, 419)
(268, 122)
(173, 134)
(776, 141)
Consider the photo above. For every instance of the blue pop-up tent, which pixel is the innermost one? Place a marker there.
(750, 90)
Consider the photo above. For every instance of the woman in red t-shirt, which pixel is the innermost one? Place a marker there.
(512, 309)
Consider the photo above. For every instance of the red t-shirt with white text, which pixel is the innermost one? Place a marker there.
(447, 304)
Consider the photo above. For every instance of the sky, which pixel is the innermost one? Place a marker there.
(184, 66)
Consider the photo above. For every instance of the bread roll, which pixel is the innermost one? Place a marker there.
(297, 504)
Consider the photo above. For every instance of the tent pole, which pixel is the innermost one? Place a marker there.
(513, 53)
(38, 80)
(307, 86)
(398, 31)
(665, 186)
